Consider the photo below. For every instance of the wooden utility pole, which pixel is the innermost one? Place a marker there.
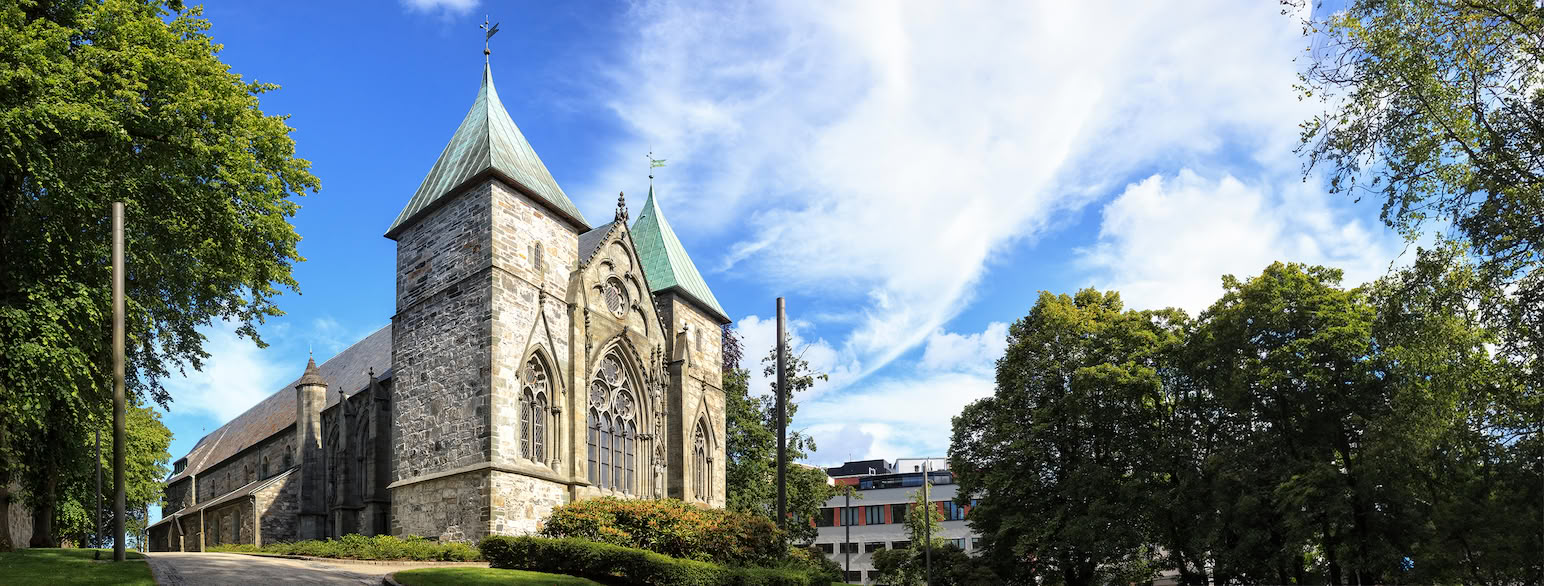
(782, 416)
(118, 401)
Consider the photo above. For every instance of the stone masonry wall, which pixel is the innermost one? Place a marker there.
(278, 507)
(440, 339)
(519, 226)
(696, 392)
(520, 503)
(230, 523)
(178, 496)
(246, 466)
(448, 508)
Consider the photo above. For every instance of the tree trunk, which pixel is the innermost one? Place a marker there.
(5, 509)
(43, 513)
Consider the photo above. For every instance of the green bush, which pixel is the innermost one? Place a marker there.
(671, 527)
(605, 562)
(359, 547)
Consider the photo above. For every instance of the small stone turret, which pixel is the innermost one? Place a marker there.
(310, 399)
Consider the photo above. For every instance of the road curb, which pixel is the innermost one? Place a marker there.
(390, 580)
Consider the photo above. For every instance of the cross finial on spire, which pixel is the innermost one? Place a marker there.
(621, 208)
(488, 34)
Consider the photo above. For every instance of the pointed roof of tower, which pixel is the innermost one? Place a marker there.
(488, 143)
(665, 262)
(313, 376)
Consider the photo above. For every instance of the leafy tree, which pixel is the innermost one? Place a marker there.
(1060, 455)
(751, 446)
(951, 567)
(1437, 108)
(922, 519)
(125, 100)
(146, 456)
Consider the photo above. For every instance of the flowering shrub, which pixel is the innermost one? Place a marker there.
(615, 564)
(671, 527)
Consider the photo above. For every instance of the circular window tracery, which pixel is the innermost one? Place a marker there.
(616, 297)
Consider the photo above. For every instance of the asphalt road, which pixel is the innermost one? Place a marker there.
(199, 569)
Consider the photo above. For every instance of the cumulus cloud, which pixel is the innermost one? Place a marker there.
(448, 7)
(879, 154)
(1166, 242)
(974, 353)
(759, 337)
(235, 377)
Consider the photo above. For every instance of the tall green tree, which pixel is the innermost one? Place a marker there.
(125, 100)
(1060, 455)
(1436, 107)
(751, 447)
(147, 457)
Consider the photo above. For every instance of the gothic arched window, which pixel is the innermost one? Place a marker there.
(533, 410)
(700, 463)
(265, 466)
(612, 434)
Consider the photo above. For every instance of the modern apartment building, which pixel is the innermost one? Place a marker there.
(851, 530)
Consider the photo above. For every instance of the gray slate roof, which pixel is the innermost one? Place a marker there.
(589, 242)
(347, 370)
(487, 141)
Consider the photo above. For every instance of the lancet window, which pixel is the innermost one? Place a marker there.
(611, 428)
(534, 391)
(701, 475)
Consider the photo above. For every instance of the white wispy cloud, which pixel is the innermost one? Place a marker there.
(1167, 241)
(447, 7)
(235, 377)
(880, 155)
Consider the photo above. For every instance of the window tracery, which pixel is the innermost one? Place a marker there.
(533, 410)
(611, 429)
(701, 479)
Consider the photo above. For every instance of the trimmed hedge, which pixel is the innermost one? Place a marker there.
(359, 547)
(671, 527)
(605, 562)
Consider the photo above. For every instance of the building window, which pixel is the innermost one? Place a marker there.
(975, 543)
(826, 518)
(874, 515)
(900, 544)
(235, 529)
(850, 547)
(289, 460)
(700, 463)
(952, 511)
(960, 543)
(265, 466)
(826, 548)
(855, 577)
(536, 256)
(898, 513)
(533, 411)
(873, 546)
(611, 430)
(180, 466)
(849, 516)
(616, 297)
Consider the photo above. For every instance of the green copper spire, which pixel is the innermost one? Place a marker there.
(488, 144)
(665, 263)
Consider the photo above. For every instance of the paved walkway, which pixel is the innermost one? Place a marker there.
(198, 569)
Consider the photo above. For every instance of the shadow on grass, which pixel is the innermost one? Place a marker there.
(72, 566)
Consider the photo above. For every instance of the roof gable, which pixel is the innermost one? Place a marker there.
(665, 262)
(487, 142)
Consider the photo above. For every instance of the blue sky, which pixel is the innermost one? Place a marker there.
(908, 175)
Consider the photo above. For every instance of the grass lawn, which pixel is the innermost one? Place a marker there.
(477, 576)
(71, 566)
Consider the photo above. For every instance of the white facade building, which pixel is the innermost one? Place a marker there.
(851, 530)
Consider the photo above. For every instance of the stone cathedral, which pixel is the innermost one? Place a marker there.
(533, 360)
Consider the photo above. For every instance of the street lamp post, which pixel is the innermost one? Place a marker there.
(927, 503)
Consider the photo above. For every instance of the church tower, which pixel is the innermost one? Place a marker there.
(480, 339)
(695, 454)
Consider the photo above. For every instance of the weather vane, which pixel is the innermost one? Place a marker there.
(653, 162)
(491, 30)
